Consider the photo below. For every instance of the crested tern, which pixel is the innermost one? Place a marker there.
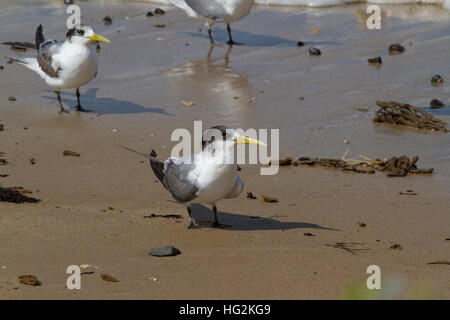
(213, 11)
(205, 177)
(67, 65)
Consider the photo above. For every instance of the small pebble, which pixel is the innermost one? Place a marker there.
(436, 104)
(2, 67)
(150, 14)
(12, 99)
(308, 234)
(167, 251)
(300, 44)
(29, 280)
(376, 60)
(68, 1)
(437, 80)
(314, 52)
(396, 246)
(269, 199)
(250, 196)
(109, 278)
(362, 224)
(396, 48)
(159, 11)
(71, 153)
(107, 20)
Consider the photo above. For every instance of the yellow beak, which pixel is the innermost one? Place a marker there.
(98, 38)
(247, 140)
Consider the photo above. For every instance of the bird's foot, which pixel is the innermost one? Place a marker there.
(218, 225)
(213, 44)
(80, 109)
(193, 226)
(232, 43)
(62, 110)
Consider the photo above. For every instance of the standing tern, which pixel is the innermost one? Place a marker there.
(67, 65)
(212, 11)
(205, 177)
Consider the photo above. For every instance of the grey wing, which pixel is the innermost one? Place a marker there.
(45, 58)
(211, 9)
(176, 180)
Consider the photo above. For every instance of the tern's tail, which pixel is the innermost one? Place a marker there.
(30, 63)
(157, 166)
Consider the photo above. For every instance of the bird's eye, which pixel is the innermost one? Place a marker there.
(81, 32)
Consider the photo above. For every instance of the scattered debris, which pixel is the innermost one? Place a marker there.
(250, 196)
(33, 161)
(159, 11)
(394, 166)
(436, 104)
(408, 115)
(269, 199)
(396, 48)
(13, 195)
(282, 162)
(2, 127)
(109, 278)
(68, 1)
(315, 31)
(160, 25)
(107, 20)
(20, 46)
(300, 44)
(167, 251)
(409, 193)
(437, 80)
(362, 224)
(12, 99)
(187, 103)
(309, 234)
(29, 280)
(168, 216)
(314, 52)
(440, 262)
(401, 166)
(2, 160)
(349, 246)
(396, 246)
(71, 153)
(376, 60)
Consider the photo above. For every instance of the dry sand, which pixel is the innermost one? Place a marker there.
(264, 254)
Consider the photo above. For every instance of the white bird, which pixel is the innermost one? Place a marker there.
(205, 177)
(67, 65)
(213, 11)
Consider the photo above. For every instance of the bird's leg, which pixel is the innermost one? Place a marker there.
(78, 106)
(58, 97)
(216, 223)
(211, 38)
(191, 223)
(230, 39)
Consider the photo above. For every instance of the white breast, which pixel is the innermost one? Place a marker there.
(78, 65)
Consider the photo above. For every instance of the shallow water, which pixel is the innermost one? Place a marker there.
(146, 71)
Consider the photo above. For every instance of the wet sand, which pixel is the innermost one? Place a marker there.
(264, 254)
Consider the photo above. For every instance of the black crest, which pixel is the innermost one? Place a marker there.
(213, 133)
(74, 32)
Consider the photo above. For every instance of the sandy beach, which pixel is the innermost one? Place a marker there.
(96, 209)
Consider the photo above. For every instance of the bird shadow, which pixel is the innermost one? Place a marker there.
(257, 40)
(246, 38)
(444, 111)
(92, 103)
(203, 216)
